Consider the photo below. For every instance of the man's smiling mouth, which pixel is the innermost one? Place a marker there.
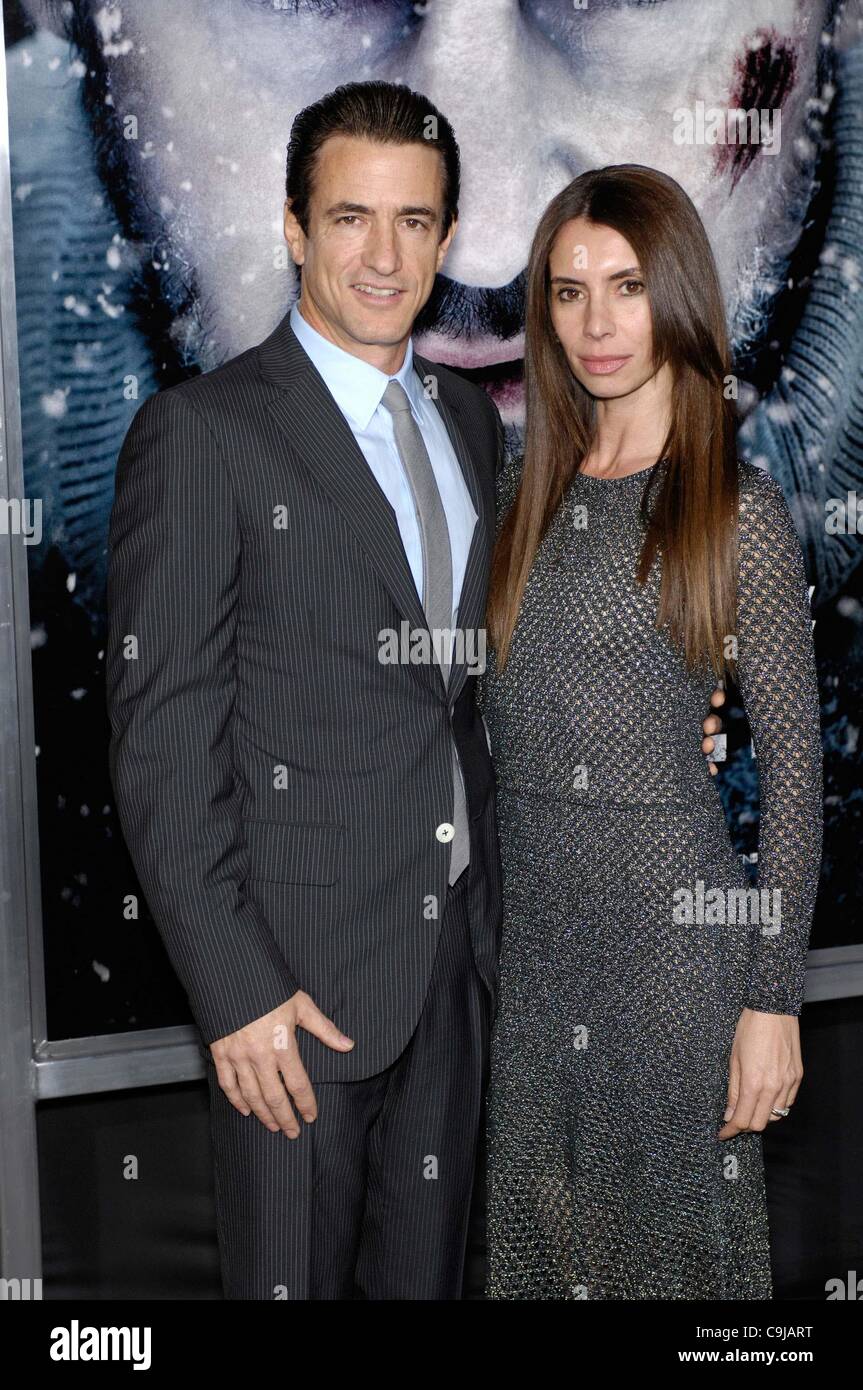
(377, 291)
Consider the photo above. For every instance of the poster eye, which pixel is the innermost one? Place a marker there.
(327, 8)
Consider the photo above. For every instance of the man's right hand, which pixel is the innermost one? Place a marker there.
(251, 1063)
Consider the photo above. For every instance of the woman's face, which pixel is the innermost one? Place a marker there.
(600, 309)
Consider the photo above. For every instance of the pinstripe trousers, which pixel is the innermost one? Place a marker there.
(372, 1199)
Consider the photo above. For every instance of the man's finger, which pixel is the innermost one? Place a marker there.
(296, 1079)
(310, 1017)
(276, 1099)
(252, 1092)
(228, 1082)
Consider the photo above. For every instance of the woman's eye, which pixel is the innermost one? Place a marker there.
(632, 286)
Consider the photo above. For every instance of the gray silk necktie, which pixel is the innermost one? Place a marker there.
(437, 577)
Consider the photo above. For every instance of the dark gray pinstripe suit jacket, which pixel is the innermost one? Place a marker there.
(278, 787)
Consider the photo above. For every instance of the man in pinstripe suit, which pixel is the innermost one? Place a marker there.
(324, 873)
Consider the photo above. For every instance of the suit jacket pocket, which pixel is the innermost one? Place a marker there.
(292, 852)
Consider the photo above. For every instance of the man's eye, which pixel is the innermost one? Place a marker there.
(571, 25)
(331, 7)
(297, 6)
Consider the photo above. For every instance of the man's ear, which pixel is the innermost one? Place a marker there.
(294, 234)
(47, 14)
(446, 242)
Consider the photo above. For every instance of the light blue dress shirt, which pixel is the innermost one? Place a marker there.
(357, 388)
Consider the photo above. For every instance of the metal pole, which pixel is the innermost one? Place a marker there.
(20, 904)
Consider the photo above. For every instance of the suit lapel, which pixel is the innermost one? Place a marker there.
(316, 429)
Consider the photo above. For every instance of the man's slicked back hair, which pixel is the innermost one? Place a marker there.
(387, 112)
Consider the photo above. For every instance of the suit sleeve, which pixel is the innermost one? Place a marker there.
(779, 685)
(173, 571)
(499, 465)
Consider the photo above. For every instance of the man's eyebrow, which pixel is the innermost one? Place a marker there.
(409, 211)
(618, 275)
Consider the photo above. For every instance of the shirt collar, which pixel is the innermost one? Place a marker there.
(355, 385)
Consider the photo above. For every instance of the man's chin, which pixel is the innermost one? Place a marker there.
(376, 332)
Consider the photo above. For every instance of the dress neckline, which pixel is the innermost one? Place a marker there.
(623, 478)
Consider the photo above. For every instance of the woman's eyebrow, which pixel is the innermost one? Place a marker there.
(617, 275)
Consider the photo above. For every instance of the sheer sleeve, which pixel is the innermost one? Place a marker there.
(506, 487)
(779, 686)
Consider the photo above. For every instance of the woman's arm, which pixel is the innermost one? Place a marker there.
(779, 686)
(778, 682)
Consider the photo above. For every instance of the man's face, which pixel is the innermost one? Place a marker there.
(600, 310)
(373, 246)
(537, 91)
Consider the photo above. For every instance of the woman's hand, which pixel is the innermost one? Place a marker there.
(713, 725)
(765, 1071)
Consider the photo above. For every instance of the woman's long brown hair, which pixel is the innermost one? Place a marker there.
(691, 519)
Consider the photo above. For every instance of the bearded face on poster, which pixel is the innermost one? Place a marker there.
(189, 107)
(148, 153)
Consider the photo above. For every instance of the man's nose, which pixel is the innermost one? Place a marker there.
(381, 250)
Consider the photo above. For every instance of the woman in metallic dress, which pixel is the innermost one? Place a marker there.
(647, 1030)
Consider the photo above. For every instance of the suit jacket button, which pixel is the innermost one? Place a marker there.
(445, 832)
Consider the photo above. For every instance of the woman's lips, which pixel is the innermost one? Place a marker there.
(603, 366)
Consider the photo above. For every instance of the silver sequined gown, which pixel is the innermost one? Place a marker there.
(611, 1046)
